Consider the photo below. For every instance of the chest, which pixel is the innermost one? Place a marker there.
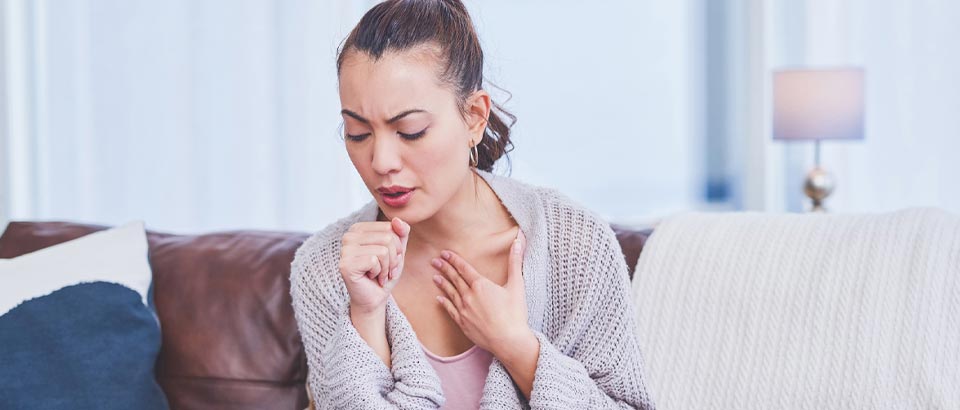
(416, 294)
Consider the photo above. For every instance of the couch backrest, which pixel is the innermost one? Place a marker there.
(229, 335)
(749, 311)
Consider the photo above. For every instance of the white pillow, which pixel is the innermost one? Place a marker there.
(117, 255)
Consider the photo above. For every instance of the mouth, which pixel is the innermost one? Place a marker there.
(394, 190)
(396, 196)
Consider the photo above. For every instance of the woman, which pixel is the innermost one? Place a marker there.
(432, 295)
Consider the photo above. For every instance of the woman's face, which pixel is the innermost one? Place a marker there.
(403, 128)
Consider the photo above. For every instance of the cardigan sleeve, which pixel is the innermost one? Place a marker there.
(344, 372)
(593, 359)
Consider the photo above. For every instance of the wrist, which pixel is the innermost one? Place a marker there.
(372, 328)
(367, 311)
(367, 319)
(518, 347)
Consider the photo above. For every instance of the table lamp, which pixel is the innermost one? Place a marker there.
(818, 104)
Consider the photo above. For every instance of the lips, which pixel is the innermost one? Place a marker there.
(398, 197)
(394, 190)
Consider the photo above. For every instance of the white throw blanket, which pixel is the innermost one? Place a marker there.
(761, 311)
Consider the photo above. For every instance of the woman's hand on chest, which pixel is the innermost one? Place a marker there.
(491, 315)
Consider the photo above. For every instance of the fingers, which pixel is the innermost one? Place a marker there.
(397, 234)
(386, 239)
(402, 229)
(451, 274)
(465, 269)
(395, 272)
(378, 238)
(450, 308)
(381, 234)
(448, 288)
(376, 258)
(358, 265)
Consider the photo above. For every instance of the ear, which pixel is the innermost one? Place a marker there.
(478, 113)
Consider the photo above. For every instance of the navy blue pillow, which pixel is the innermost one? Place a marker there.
(84, 346)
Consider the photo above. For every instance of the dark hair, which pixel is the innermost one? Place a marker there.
(399, 25)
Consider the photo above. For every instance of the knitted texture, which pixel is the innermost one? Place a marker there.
(758, 311)
(576, 287)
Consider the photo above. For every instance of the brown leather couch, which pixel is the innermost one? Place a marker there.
(230, 340)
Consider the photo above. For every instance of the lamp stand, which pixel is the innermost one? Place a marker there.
(819, 183)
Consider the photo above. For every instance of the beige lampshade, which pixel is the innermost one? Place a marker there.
(812, 104)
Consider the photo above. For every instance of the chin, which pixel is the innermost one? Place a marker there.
(409, 214)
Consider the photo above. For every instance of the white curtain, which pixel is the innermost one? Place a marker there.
(222, 114)
(189, 115)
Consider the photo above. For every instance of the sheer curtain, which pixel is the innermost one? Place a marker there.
(190, 115)
(222, 114)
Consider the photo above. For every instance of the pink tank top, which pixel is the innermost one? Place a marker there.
(462, 376)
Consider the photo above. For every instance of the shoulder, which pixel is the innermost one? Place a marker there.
(558, 209)
(579, 238)
(567, 216)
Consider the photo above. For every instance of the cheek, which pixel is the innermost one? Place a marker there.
(443, 156)
(355, 156)
(363, 166)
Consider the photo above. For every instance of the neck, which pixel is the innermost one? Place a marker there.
(472, 214)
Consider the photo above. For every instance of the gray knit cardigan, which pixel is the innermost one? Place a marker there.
(577, 294)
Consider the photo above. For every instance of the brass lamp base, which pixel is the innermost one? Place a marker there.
(818, 186)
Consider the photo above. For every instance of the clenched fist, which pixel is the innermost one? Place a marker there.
(371, 261)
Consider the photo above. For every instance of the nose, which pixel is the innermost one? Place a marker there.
(386, 155)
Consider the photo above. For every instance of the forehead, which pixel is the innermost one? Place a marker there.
(394, 81)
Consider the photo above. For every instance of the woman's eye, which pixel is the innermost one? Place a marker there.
(357, 138)
(413, 136)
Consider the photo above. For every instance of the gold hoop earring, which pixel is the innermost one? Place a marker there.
(474, 156)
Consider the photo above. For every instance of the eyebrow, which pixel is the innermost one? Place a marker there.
(392, 120)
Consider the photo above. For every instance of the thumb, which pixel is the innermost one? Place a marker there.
(402, 229)
(515, 270)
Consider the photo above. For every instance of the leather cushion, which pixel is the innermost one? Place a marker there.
(229, 337)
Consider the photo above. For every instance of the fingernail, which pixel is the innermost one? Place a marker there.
(440, 299)
(437, 279)
(445, 255)
(436, 263)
